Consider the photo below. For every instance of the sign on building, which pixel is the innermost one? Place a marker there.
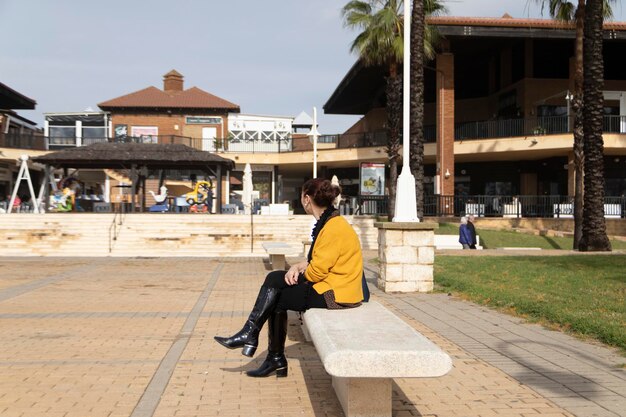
(372, 178)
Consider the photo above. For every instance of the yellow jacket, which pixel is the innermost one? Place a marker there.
(337, 262)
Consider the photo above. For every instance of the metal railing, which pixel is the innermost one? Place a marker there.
(372, 205)
(71, 142)
(538, 206)
(537, 126)
(116, 225)
(614, 124)
(255, 146)
(34, 140)
(487, 129)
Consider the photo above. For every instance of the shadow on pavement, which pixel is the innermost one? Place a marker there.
(557, 380)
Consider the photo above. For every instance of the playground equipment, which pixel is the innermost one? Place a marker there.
(201, 194)
(62, 201)
(24, 174)
(161, 201)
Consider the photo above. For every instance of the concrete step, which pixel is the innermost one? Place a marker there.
(82, 234)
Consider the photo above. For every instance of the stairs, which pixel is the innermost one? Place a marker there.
(55, 234)
(156, 234)
(205, 235)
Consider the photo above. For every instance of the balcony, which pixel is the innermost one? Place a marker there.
(537, 126)
(56, 143)
(32, 140)
(488, 129)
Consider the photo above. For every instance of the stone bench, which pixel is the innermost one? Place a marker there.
(452, 242)
(364, 348)
(278, 251)
(306, 243)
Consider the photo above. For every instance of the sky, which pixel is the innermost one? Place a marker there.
(272, 57)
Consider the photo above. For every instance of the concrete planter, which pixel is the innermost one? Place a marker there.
(407, 253)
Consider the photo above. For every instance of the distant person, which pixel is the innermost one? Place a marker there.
(209, 200)
(465, 236)
(472, 229)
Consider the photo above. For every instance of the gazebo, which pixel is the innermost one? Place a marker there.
(138, 158)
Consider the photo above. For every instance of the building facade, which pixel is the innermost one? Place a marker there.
(497, 108)
(497, 126)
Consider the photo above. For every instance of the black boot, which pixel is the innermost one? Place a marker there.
(248, 336)
(275, 360)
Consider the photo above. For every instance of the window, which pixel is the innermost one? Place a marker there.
(62, 132)
(94, 132)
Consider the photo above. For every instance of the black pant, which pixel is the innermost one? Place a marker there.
(299, 297)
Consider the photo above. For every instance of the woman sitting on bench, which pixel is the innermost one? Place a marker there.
(330, 278)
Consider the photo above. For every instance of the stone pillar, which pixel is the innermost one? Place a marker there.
(529, 63)
(445, 124)
(506, 69)
(406, 252)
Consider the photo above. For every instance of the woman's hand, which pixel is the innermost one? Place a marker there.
(291, 277)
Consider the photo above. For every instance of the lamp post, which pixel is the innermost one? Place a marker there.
(314, 134)
(569, 97)
(406, 203)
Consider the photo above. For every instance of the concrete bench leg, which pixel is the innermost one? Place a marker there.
(364, 397)
(277, 261)
(307, 335)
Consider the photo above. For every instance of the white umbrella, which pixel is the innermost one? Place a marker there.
(246, 197)
(335, 181)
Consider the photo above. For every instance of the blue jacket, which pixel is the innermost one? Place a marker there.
(465, 236)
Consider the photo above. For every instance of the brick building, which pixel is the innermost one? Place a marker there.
(171, 114)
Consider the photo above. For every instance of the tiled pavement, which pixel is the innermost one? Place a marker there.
(133, 337)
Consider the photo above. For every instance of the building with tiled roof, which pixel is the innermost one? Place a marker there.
(167, 115)
(172, 97)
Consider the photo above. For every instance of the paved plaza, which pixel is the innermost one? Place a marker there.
(103, 337)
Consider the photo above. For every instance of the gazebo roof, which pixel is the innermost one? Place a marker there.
(124, 155)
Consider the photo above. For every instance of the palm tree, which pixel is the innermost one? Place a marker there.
(380, 43)
(423, 39)
(594, 236)
(566, 11)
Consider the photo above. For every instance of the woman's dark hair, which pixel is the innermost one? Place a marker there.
(321, 191)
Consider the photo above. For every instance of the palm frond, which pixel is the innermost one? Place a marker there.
(381, 41)
(607, 11)
(562, 10)
(566, 10)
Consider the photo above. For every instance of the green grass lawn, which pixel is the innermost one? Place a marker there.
(491, 239)
(582, 294)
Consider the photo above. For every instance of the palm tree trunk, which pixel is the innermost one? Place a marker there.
(594, 236)
(394, 112)
(577, 104)
(417, 103)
